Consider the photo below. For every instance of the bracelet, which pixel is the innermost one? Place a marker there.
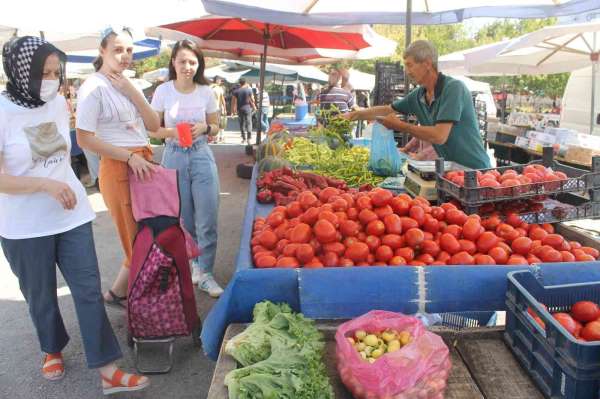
(130, 155)
(208, 129)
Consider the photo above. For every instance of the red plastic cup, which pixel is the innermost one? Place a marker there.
(184, 131)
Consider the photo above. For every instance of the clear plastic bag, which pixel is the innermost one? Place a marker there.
(385, 159)
(417, 370)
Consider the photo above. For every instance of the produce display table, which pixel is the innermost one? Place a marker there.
(515, 153)
(482, 365)
(344, 293)
(296, 127)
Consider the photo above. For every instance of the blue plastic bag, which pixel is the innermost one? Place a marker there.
(385, 159)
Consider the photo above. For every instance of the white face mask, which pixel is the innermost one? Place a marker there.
(49, 89)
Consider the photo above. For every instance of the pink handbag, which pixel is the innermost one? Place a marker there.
(159, 196)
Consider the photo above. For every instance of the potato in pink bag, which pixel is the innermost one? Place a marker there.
(418, 369)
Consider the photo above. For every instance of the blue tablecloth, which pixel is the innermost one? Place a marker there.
(342, 293)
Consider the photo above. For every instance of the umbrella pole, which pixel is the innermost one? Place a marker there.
(594, 58)
(263, 66)
(408, 39)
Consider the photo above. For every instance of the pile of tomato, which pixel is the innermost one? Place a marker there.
(583, 321)
(510, 178)
(376, 228)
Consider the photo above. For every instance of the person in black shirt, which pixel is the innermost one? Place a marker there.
(242, 103)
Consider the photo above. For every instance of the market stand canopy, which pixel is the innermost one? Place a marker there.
(424, 12)
(287, 73)
(245, 40)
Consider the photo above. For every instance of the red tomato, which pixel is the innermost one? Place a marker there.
(438, 212)
(397, 261)
(325, 231)
(349, 228)
(383, 211)
(486, 241)
(468, 246)
(336, 247)
(585, 311)
(330, 217)
(266, 261)
(393, 224)
(408, 223)
(373, 242)
(461, 258)
(537, 233)
(491, 223)
(521, 245)
(327, 193)
(268, 239)
(454, 216)
(513, 219)
(345, 262)
(417, 213)
(446, 206)
(449, 243)
(352, 213)
(591, 331)
(430, 247)
(275, 219)
(548, 227)
(364, 203)
(339, 204)
(380, 197)
(551, 255)
(357, 252)
(307, 200)
(481, 259)
(416, 263)
(566, 321)
(287, 262)
(426, 258)
(567, 256)
(532, 259)
(507, 232)
(400, 206)
(499, 255)
(294, 209)
(375, 228)
(384, 253)
(471, 229)
(591, 251)
(330, 259)
(554, 240)
(405, 252)
(393, 241)
(443, 256)
(575, 244)
(366, 216)
(414, 237)
(310, 216)
(517, 260)
(453, 229)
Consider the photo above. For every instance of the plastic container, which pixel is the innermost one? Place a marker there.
(301, 111)
(578, 180)
(184, 131)
(559, 364)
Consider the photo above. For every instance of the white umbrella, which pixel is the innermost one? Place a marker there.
(361, 80)
(456, 63)
(423, 12)
(225, 72)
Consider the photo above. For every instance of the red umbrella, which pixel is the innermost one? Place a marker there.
(252, 40)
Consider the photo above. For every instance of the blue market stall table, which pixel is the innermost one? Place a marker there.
(470, 293)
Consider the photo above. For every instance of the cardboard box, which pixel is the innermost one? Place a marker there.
(514, 130)
(581, 154)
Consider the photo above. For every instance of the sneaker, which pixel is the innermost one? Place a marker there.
(209, 285)
(196, 275)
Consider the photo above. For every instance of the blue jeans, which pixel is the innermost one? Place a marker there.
(264, 119)
(199, 191)
(34, 261)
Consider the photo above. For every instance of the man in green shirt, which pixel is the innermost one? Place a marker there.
(443, 106)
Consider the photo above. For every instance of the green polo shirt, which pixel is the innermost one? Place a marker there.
(452, 103)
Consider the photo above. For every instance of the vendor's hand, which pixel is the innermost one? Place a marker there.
(61, 192)
(122, 84)
(198, 130)
(391, 121)
(140, 167)
(351, 116)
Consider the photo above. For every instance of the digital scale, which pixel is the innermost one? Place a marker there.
(420, 178)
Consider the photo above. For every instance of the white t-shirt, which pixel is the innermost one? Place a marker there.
(36, 143)
(103, 110)
(179, 107)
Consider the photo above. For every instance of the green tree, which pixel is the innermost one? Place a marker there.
(151, 63)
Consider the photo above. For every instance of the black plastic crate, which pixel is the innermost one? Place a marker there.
(578, 180)
(560, 365)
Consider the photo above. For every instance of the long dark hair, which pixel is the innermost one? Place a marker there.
(97, 63)
(193, 47)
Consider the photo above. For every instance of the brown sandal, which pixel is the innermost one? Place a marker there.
(53, 363)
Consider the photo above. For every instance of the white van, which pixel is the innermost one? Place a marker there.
(577, 100)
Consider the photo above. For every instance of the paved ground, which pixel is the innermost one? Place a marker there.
(190, 378)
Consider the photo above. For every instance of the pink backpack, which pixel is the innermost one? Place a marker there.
(161, 299)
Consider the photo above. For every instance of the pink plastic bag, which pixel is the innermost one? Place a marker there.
(159, 196)
(417, 370)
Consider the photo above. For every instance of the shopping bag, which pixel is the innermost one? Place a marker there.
(384, 159)
(417, 370)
